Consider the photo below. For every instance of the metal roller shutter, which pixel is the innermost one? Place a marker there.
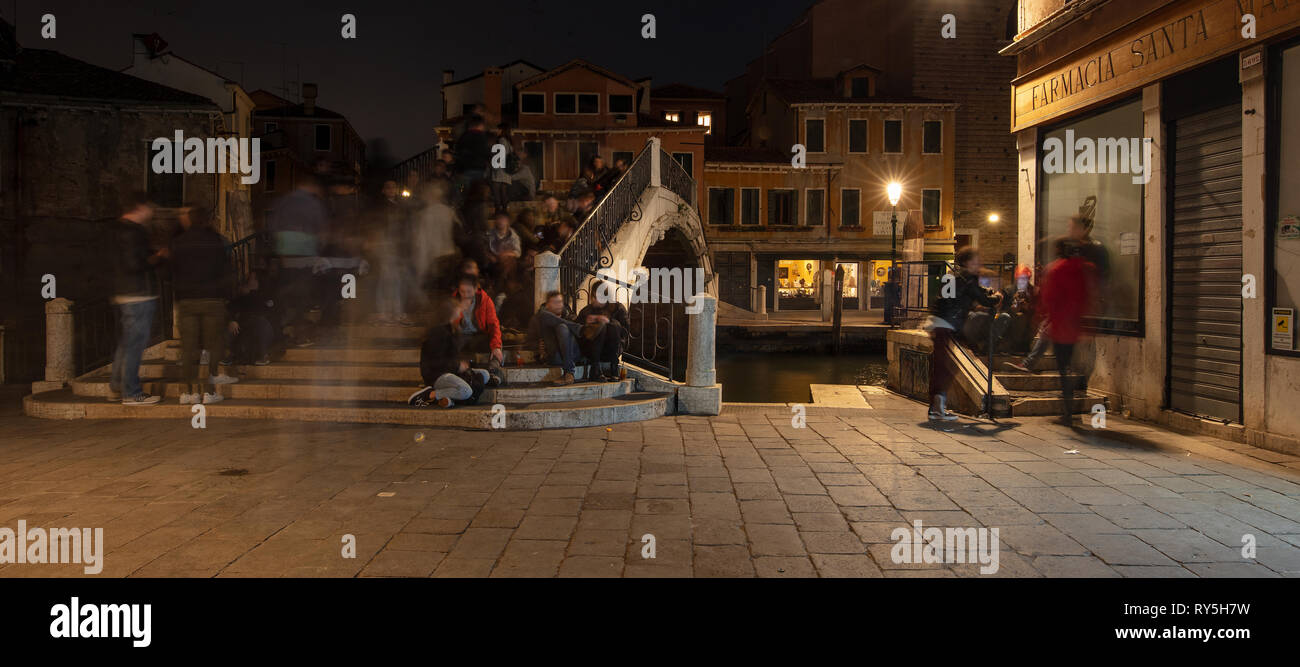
(1205, 281)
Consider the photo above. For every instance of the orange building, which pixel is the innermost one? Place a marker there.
(772, 220)
(563, 116)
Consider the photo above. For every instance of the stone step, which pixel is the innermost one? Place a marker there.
(1046, 403)
(1018, 382)
(640, 406)
(397, 373)
(353, 391)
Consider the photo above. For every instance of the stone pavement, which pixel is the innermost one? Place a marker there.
(743, 494)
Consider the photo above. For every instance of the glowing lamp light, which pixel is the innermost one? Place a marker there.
(406, 193)
(993, 218)
(895, 191)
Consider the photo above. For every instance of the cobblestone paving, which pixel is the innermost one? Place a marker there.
(744, 494)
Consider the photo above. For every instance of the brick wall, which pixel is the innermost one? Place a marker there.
(969, 71)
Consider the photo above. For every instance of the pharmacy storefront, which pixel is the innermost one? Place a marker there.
(1172, 137)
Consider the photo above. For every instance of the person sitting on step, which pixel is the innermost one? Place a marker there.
(447, 375)
(479, 327)
(604, 332)
(556, 337)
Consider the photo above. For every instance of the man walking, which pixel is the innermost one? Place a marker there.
(1068, 290)
(135, 295)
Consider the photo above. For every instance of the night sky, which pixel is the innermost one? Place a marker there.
(387, 80)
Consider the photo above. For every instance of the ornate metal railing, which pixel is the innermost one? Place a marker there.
(588, 251)
(246, 253)
(652, 343)
(673, 176)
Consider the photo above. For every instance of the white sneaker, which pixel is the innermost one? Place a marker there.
(209, 399)
(938, 410)
(224, 379)
(190, 399)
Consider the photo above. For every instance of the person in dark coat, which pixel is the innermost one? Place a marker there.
(604, 333)
(947, 316)
(201, 279)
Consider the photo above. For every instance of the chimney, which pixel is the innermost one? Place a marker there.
(448, 75)
(309, 98)
(492, 92)
(644, 105)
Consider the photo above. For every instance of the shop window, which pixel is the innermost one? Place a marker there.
(749, 202)
(1111, 201)
(722, 206)
(1285, 225)
(798, 283)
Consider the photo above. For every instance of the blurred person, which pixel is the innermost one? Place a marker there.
(948, 316)
(135, 297)
(523, 182)
(584, 183)
(392, 252)
(447, 374)
(557, 236)
(201, 281)
(473, 158)
(502, 177)
(504, 248)
(1068, 289)
(528, 231)
(586, 203)
(433, 244)
(299, 224)
(555, 337)
(604, 333)
(252, 323)
(477, 113)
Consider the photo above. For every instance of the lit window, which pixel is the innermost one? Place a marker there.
(672, 116)
(705, 119)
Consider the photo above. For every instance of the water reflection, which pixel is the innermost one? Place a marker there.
(783, 377)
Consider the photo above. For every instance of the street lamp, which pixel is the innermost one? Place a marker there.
(993, 218)
(895, 192)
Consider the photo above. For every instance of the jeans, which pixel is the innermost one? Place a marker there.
(134, 320)
(203, 325)
(941, 370)
(560, 336)
(1039, 348)
(1064, 351)
(455, 387)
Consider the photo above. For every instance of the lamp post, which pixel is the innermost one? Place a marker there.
(895, 192)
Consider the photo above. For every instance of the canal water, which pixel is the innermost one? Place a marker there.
(783, 377)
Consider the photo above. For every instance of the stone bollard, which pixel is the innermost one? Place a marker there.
(702, 394)
(762, 300)
(60, 365)
(546, 277)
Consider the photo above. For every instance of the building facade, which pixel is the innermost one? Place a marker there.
(1173, 125)
(809, 195)
(563, 116)
(153, 60)
(300, 139)
(906, 43)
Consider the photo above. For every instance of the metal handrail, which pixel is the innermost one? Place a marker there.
(587, 251)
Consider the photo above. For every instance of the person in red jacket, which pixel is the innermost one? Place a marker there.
(478, 323)
(1067, 294)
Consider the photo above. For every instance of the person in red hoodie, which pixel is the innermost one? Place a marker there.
(479, 325)
(1067, 294)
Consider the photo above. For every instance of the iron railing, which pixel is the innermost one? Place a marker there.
(672, 175)
(246, 253)
(588, 251)
(95, 329)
